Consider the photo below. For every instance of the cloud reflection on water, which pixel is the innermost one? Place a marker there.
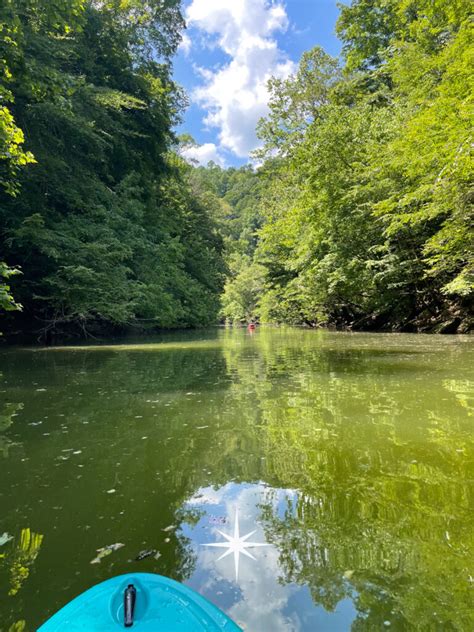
(260, 600)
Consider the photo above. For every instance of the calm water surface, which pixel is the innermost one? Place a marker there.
(351, 455)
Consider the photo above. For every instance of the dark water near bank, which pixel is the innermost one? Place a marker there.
(350, 454)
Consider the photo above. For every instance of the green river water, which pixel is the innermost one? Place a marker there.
(351, 455)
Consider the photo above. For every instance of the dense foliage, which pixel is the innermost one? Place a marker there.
(359, 214)
(366, 184)
(234, 196)
(104, 226)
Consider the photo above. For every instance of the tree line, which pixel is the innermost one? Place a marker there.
(100, 229)
(364, 207)
(358, 213)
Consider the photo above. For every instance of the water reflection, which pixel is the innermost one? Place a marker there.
(9, 411)
(350, 454)
(256, 601)
(16, 561)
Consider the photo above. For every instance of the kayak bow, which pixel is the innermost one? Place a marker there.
(142, 601)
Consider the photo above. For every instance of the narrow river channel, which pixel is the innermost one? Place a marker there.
(349, 455)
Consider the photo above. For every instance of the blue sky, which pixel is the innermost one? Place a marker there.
(229, 50)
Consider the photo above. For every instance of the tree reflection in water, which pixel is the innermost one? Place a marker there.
(382, 513)
(354, 452)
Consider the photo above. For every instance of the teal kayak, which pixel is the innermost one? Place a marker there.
(143, 602)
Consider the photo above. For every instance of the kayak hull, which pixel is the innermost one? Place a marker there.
(161, 604)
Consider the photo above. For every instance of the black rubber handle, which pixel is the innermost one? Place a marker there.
(129, 598)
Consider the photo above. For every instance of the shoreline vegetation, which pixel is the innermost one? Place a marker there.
(356, 212)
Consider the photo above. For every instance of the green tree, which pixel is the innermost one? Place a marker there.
(243, 290)
(7, 302)
(368, 175)
(105, 227)
(233, 196)
(296, 102)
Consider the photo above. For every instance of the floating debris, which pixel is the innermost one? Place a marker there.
(172, 527)
(77, 452)
(201, 427)
(147, 553)
(101, 556)
(106, 550)
(111, 491)
(217, 520)
(115, 547)
(4, 538)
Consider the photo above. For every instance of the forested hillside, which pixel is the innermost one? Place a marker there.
(97, 215)
(357, 211)
(365, 192)
(234, 197)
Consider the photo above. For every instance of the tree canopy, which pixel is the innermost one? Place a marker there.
(102, 222)
(365, 191)
(357, 211)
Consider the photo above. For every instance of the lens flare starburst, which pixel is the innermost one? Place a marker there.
(236, 544)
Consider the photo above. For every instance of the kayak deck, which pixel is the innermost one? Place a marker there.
(161, 604)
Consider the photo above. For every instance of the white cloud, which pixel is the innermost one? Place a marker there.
(203, 154)
(235, 94)
(185, 44)
(260, 601)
